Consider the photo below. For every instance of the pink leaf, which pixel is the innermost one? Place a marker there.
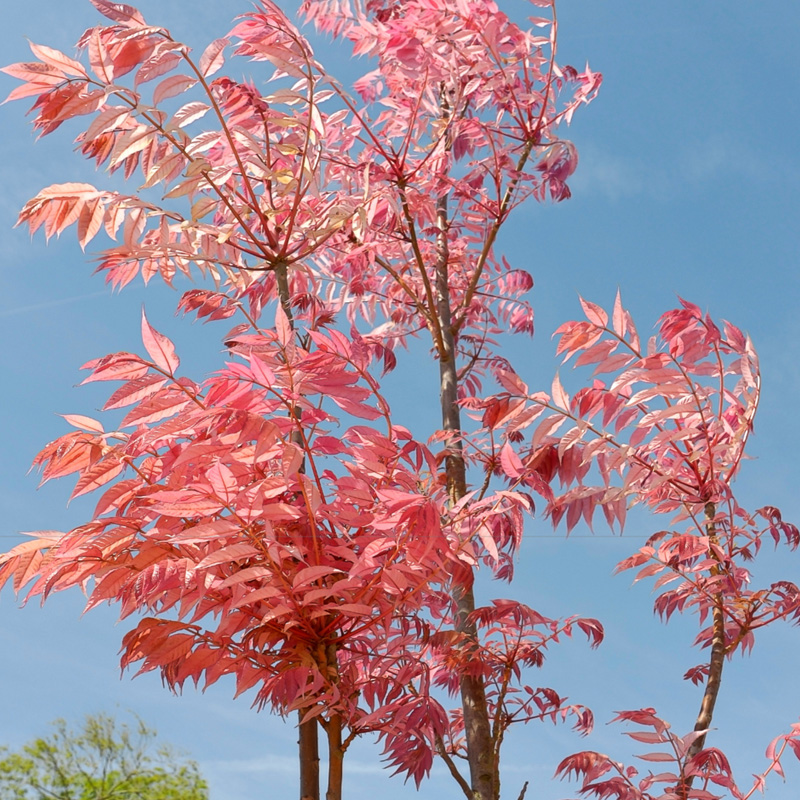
(511, 382)
(618, 318)
(511, 463)
(135, 390)
(282, 326)
(309, 575)
(648, 737)
(186, 503)
(189, 113)
(594, 313)
(213, 59)
(83, 423)
(546, 427)
(261, 372)
(223, 483)
(90, 221)
(98, 475)
(119, 12)
(656, 757)
(160, 63)
(160, 348)
(172, 86)
(485, 535)
(165, 403)
(57, 59)
(560, 397)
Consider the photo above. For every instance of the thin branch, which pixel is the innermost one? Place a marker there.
(436, 323)
(457, 776)
(493, 231)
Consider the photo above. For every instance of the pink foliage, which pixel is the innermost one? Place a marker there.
(270, 521)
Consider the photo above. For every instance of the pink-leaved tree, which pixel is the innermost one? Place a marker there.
(272, 521)
(666, 429)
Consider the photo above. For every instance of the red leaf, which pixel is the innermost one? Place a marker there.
(648, 572)
(208, 531)
(73, 452)
(174, 648)
(592, 629)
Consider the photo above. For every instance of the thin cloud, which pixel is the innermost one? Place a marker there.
(612, 176)
(287, 764)
(618, 177)
(11, 312)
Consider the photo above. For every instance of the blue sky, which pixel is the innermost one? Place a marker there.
(687, 185)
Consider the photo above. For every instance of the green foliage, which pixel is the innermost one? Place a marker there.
(104, 760)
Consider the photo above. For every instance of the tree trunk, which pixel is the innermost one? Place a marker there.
(477, 727)
(335, 758)
(714, 681)
(308, 732)
(308, 745)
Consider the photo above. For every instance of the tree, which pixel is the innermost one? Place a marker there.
(672, 421)
(102, 761)
(272, 521)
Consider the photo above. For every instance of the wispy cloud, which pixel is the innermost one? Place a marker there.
(262, 764)
(33, 307)
(608, 174)
(287, 765)
(618, 177)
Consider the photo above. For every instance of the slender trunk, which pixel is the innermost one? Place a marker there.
(335, 758)
(308, 745)
(706, 714)
(477, 727)
(282, 286)
(308, 731)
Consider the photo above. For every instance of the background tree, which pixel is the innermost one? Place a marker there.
(102, 760)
